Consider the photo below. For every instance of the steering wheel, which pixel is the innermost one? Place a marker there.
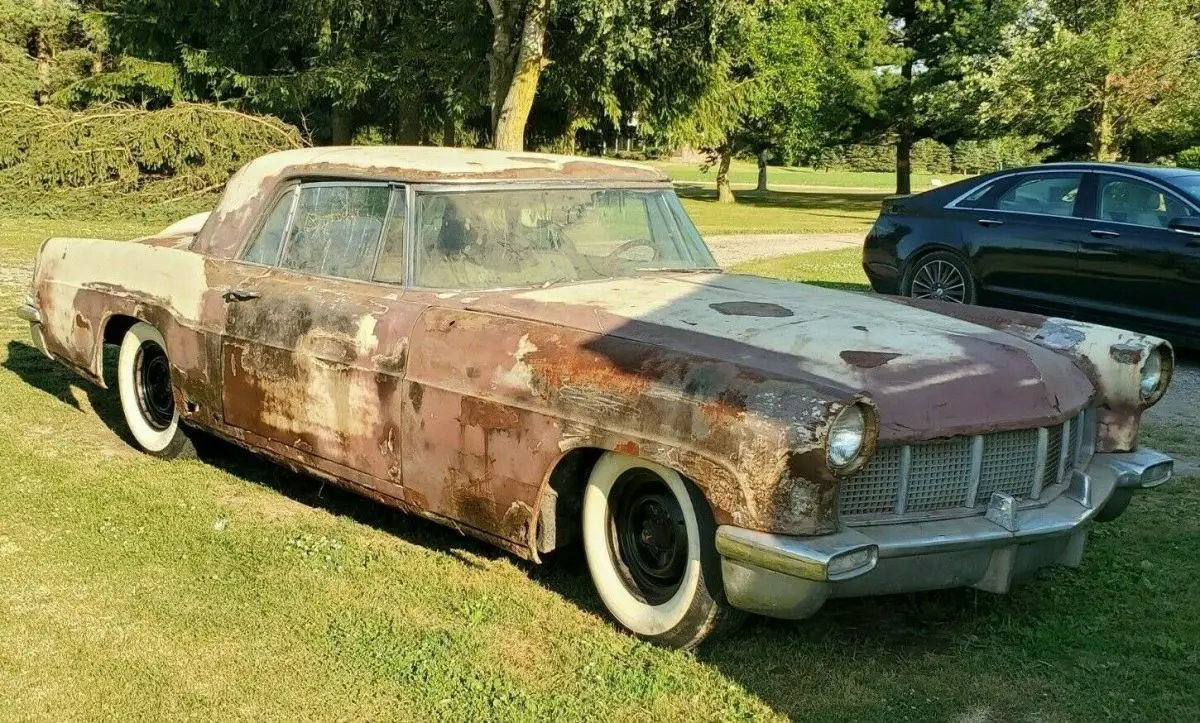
(614, 256)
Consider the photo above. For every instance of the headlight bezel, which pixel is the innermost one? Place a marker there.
(1162, 357)
(857, 415)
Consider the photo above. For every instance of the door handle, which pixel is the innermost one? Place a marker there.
(1101, 233)
(232, 295)
(989, 222)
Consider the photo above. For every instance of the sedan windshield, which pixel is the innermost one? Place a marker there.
(496, 239)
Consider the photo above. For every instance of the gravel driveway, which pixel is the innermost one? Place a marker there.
(733, 250)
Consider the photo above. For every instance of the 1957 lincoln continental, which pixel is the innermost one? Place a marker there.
(539, 350)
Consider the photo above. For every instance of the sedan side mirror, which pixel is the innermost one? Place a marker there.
(1185, 224)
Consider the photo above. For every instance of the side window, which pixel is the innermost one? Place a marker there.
(336, 230)
(391, 259)
(974, 199)
(1124, 200)
(264, 248)
(1052, 195)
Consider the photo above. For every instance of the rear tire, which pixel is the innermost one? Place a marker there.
(147, 397)
(650, 542)
(940, 276)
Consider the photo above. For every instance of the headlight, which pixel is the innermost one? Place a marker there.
(1156, 372)
(847, 435)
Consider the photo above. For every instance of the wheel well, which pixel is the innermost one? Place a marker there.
(558, 518)
(116, 327)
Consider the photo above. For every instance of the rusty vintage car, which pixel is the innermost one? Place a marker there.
(540, 350)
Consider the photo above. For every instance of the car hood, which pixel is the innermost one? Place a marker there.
(930, 375)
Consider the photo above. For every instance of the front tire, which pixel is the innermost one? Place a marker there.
(147, 398)
(650, 542)
(940, 276)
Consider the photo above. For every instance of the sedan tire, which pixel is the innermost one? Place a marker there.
(147, 401)
(940, 276)
(650, 542)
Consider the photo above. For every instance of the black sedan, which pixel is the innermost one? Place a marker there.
(1114, 243)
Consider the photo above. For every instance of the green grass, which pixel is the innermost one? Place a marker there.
(837, 269)
(746, 173)
(228, 588)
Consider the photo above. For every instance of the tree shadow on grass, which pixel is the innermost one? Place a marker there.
(36, 370)
(853, 202)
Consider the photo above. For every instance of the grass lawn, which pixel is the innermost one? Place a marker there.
(793, 211)
(837, 269)
(230, 589)
(746, 173)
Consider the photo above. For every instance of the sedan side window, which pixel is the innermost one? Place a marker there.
(1046, 195)
(1124, 200)
(336, 230)
(264, 249)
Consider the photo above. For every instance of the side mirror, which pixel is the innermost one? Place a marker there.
(1185, 224)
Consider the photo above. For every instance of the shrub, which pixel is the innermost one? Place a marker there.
(1189, 158)
(53, 159)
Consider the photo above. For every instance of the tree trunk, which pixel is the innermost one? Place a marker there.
(904, 142)
(1104, 137)
(342, 121)
(44, 70)
(904, 162)
(449, 131)
(509, 131)
(724, 191)
(762, 172)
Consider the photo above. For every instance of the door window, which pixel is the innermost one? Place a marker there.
(1124, 200)
(264, 248)
(1050, 195)
(335, 230)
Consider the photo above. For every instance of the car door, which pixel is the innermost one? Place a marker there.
(1022, 235)
(1137, 272)
(314, 347)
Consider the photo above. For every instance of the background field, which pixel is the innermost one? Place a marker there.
(227, 588)
(745, 173)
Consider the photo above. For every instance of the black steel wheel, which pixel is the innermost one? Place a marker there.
(648, 536)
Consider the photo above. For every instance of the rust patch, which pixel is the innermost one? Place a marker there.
(415, 393)
(487, 415)
(752, 308)
(1125, 353)
(868, 359)
(629, 447)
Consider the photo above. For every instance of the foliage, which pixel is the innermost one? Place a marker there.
(932, 45)
(1189, 158)
(51, 157)
(967, 156)
(1122, 68)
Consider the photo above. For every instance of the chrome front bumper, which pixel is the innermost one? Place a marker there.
(791, 577)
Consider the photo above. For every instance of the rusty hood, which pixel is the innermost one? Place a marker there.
(930, 375)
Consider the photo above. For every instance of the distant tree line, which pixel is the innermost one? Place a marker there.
(947, 86)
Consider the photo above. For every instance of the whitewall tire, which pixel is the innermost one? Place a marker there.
(649, 538)
(147, 401)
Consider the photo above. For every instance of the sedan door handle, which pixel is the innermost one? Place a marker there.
(232, 295)
(989, 222)
(1101, 233)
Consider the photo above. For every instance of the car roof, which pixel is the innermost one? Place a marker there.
(1140, 168)
(431, 164)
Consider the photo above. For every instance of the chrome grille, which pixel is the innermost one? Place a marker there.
(961, 473)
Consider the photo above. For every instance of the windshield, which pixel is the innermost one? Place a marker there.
(496, 239)
(1190, 184)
